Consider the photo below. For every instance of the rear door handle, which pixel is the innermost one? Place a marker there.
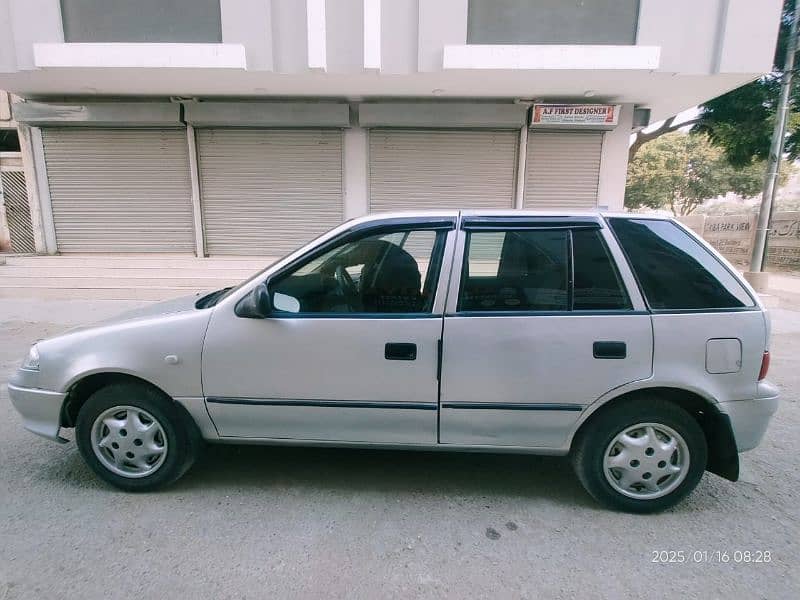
(400, 351)
(613, 350)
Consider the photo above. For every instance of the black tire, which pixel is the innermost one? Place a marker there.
(589, 448)
(183, 440)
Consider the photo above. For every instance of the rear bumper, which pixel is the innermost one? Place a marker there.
(40, 410)
(750, 418)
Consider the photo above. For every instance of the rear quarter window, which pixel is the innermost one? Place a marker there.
(597, 285)
(674, 271)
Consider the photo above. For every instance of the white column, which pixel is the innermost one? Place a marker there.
(5, 106)
(522, 156)
(194, 175)
(614, 163)
(372, 34)
(45, 204)
(31, 187)
(315, 29)
(356, 172)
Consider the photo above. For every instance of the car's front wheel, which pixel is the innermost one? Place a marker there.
(134, 437)
(640, 455)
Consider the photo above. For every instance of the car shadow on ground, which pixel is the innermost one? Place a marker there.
(386, 471)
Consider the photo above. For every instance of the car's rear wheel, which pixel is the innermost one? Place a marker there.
(135, 438)
(640, 455)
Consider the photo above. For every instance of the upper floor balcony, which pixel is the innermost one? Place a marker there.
(665, 55)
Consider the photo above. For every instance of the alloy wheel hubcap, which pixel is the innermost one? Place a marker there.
(129, 441)
(646, 461)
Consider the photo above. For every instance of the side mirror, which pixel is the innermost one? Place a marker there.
(256, 305)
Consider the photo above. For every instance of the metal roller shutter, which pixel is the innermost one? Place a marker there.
(267, 191)
(119, 190)
(18, 211)
(562, 169)
(417, 169)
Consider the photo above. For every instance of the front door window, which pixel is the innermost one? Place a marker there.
(394, 272)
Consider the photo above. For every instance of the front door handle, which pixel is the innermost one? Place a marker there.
(400, 351)
(610, 350)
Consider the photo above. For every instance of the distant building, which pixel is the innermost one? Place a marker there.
(248, 126)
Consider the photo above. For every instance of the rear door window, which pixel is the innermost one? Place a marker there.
(540, 270)
(674, 271)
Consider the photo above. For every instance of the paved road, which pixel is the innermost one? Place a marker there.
(256, 522)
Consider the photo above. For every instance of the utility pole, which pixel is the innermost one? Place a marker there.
(758, 260)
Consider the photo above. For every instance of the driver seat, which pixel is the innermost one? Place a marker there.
(392, 283)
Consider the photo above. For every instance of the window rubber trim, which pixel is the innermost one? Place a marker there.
(354, 315)
(524, 222)
(570, 273)
(622, 312)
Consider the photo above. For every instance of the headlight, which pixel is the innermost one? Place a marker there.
(32, 360)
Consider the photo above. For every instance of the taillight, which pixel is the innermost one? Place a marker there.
(764, 366)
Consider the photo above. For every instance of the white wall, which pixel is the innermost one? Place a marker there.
(441, 23)
(695, 36)
(249, 22)
(32, 21)
(8, 55)
(356, 172)
(709, 36)
(289, 36)
(686, 30)
(748, 44)
(399, 36)
(614, 162)
(344, 32)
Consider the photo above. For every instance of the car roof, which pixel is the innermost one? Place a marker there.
(503, 212)
(516, 212)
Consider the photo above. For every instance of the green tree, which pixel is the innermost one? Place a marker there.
(741, 121)
(679, 171)
(747, 181)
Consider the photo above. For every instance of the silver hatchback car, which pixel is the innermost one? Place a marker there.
(625, 342)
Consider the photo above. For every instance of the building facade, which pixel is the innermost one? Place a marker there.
(231, 127)
(16, 219)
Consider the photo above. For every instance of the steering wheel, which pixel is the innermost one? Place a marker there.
(345, 285)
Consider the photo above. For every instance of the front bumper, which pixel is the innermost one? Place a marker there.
(750, 418)
(40, 410)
